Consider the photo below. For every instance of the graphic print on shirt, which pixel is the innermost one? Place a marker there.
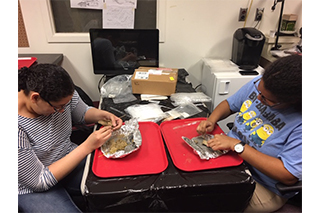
(253, 124)
(262, 134)
(244, 107)
(246, 116)
(257, 121)
(246, 104)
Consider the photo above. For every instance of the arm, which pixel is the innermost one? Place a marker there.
(226, 108)
(65, 165)
(34, 175)
(37, 177)
(81, 113)
(93, 115)
(270, 166)
(220, 112)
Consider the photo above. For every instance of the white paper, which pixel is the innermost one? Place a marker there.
(87, 4)
(24, 58)
(148, 97)
(118, 17)
(155, 72)
(142, 75)
(122, 3)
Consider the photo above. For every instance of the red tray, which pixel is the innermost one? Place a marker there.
(183, 156)
(26, 61)
(151, 158)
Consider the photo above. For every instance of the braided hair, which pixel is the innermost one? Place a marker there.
(52, 82)
(283, 78)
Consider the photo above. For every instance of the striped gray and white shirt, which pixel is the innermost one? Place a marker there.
(44, 140)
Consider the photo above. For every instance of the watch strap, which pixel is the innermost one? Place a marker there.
(242, 143)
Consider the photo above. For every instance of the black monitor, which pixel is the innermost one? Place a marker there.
(121, 51)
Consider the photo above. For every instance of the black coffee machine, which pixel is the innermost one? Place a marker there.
(246, 48)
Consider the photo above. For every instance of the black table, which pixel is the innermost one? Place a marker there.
(217, 190)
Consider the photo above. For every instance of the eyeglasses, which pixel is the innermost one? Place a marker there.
(58, 109)
(265, 100)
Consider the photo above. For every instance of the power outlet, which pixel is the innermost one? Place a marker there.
(259, 14)
(243, 14)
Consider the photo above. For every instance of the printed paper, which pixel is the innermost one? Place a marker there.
(86, 4)
(118, 17)
(122, 3)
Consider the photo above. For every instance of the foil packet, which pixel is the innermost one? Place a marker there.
(128, 135)
(198, 144)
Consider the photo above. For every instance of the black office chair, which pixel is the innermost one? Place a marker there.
(297, 187)
(294, 204)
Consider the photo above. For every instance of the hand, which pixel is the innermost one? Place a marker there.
(204, 127)
(99, 137)
(116, 122)
(222, 142)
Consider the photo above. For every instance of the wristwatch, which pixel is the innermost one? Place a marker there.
(239, 147)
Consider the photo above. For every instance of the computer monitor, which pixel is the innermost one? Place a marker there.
(121, 51)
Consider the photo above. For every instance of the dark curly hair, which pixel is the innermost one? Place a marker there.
(52, 82)
(283, 78)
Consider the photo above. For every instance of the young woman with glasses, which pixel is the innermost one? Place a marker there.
(49, 164)
(267, 131)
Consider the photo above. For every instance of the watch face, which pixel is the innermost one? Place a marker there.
(238, 148)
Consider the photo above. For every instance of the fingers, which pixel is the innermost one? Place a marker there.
(116, 122)
(214, 144)
(106, 130)
(204, 127)
(113, 121)
(98, 138)
(222, 142)
(201, 128)
(104, 134)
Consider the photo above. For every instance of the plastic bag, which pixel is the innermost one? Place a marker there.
(125, 96)
(118, 88)
(182, 111)
(185, 98)
(146, 112)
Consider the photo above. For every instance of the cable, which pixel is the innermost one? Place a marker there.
(245, 21)
(103, 77)
(197, 86)
(257, 24)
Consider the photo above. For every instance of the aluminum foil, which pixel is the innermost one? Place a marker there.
(132, 136)
(204, 152)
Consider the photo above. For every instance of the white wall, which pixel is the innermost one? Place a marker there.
(191, 29)
(204, 28)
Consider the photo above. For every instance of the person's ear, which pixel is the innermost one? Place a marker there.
(34, 97)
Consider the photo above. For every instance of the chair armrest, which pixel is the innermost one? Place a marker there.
(297, 187)
(230, 125)
(81, 132)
